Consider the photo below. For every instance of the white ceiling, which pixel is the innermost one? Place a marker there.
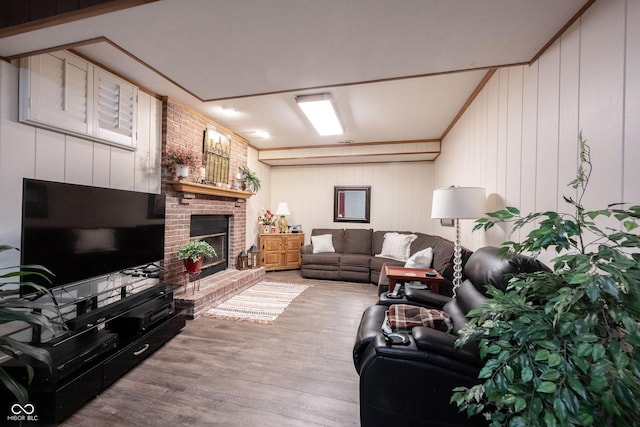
(398, 70)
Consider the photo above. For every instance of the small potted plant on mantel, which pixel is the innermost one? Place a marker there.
(179, 160)
(192, 254)
(249, 179)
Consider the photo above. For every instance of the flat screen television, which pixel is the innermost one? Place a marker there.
(80, 232)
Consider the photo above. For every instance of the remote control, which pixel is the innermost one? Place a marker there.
(396, 289)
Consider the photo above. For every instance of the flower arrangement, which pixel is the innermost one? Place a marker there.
(179, 156)
(267, 218)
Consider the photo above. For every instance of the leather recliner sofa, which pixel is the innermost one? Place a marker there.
(410, 384)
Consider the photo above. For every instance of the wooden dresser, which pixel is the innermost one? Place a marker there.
(280, 251)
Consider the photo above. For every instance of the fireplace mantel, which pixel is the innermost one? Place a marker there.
(209, 190)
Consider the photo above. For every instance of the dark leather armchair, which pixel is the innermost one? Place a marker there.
(410, 384)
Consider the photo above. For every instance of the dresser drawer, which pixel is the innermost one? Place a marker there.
(136, 352)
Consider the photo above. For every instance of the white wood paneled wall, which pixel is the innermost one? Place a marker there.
(30, 152)
(519, 137)
(262, 199)
(400, 194)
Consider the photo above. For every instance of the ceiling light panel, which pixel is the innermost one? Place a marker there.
(321, 112)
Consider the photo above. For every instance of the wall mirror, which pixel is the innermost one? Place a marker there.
(351, 204)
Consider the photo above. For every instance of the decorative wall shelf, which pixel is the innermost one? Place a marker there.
(209, 190)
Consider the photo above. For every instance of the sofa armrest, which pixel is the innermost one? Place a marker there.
(369, 329)
(401, 385)
(425, 297)
(306, 249)
(435, 341)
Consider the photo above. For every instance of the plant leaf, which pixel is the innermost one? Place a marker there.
(546, 387)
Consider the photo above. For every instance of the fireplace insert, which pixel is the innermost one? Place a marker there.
(213, 229)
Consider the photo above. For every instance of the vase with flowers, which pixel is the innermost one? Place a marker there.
(179, 160)
(267, 221)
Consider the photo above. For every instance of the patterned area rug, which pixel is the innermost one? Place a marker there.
(261, 303)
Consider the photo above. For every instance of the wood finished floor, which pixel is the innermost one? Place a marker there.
(295, 372)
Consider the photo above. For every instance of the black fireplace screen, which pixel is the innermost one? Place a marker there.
(213, 229)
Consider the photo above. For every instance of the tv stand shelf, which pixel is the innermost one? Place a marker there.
(104, 344)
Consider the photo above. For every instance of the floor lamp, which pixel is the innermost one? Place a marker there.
(458, 203)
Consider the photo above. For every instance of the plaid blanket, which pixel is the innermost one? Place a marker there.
(403, 317)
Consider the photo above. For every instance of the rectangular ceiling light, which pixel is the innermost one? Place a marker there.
(320, 111)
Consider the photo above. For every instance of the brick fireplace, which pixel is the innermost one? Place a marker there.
(183, 127)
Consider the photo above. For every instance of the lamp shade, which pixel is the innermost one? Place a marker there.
(458, 203)
(283, 209)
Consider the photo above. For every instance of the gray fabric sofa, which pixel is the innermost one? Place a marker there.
(354, 257)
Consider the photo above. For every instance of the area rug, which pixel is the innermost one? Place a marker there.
(261, 303)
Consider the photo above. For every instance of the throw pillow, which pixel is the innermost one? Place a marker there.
(403, 317)
(421, 259)
(397, 246)
(322, 243)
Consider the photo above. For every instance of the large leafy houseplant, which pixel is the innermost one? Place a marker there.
(35, 315)
(561, 348)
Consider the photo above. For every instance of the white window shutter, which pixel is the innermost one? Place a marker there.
(116, 109)
(65, 93)
(58, 92)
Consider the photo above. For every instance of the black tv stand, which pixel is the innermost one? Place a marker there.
(102, 345)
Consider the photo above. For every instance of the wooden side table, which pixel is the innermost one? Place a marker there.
(403, 274)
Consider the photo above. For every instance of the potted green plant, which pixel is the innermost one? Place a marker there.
(179, 160)
(560, 348)
(192, 254)
(36, 315)
(249, 179)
